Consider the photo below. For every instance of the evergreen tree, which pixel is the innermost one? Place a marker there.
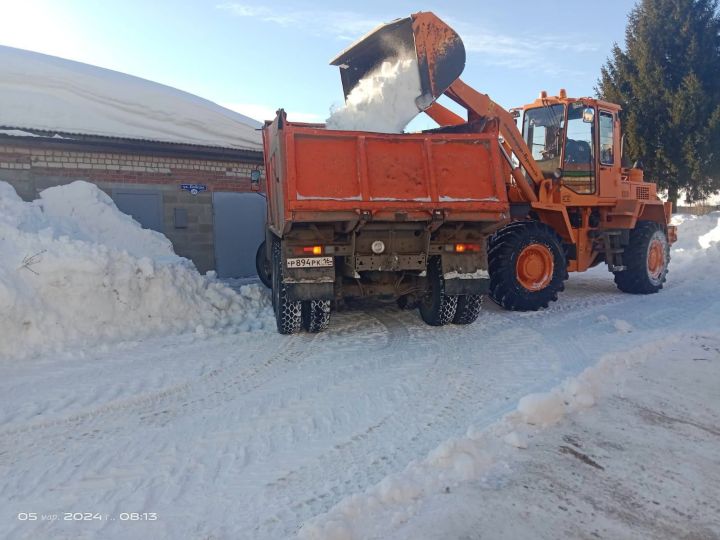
(667, 81)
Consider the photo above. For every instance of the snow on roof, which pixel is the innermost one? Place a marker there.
(46, 93)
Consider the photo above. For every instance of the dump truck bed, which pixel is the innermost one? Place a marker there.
(319, 175)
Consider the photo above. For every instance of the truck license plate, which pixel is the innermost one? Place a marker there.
(309, 262)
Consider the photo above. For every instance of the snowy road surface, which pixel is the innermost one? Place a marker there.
(642, 463)
(250, 435)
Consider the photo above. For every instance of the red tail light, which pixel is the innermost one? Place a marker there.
(315, 250)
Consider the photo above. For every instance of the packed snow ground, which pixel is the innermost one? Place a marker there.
(76, 271)
(256, 435)
(642, 463)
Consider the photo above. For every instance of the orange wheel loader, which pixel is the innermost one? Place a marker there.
(436, 219)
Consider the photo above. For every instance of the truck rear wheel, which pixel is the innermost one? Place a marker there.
(436, 307)
(262, 266)
(468, 308)
(646, 260)
(315, 315)
(287, 312)
(527, 266)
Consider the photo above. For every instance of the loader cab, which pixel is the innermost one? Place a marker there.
(578, 136)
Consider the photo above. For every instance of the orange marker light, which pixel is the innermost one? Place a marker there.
(462, 248)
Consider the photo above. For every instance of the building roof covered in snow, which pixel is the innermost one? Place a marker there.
(46, 96)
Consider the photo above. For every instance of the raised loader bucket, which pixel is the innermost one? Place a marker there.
(440, 54)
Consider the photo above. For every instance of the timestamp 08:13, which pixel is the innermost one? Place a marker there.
(88, 516)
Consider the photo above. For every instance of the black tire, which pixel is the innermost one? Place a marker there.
(288, 314)
(507, 288)
(263, 266)
(315, 315)
(436, 307)
(468, 308)
(638, 277)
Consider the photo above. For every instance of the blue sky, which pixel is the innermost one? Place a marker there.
(257, 56)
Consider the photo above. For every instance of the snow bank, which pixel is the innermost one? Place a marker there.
(477, 455)
(76, 271)
(696, 254)
(44, 92)
(384, 101)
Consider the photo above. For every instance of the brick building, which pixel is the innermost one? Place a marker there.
(179, 164)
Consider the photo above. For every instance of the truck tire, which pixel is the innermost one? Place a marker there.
(315, 315)
(527, 266)
(468, 308)
(288, 314)
(262, 266)
(436, 307)
(646, 260)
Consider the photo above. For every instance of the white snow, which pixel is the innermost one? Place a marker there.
(642, 464)
(383, 101)
(44, 92)
(383, 427)
(473, 457)
(622, 326)
(478, 274)
(541, 409)
(77, 271)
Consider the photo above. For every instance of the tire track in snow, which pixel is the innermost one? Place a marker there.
(410, 427)
(286, 433)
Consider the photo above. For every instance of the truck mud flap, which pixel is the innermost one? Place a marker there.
(467, 286)
(310, 291)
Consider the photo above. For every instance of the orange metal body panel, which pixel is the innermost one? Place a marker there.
(319, 175)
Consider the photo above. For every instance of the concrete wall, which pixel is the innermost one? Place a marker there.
(30, 169)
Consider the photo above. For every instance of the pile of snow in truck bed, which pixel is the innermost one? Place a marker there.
(384, 101)
(76, 271)
(44, 92)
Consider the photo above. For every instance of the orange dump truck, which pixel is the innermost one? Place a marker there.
(354, 214)
(436, 219)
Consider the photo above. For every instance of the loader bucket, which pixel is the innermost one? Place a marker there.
(439, 50)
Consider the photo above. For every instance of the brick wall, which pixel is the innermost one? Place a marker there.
(129, 168)
(30, 169)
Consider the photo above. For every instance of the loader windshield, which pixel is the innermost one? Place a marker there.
(542, 130)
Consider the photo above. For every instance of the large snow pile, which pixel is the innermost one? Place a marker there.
(76, 271)
(384, 101)
(44, 92)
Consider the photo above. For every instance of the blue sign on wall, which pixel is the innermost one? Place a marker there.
(194, 189)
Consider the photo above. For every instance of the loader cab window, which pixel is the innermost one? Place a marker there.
(607, 155)
(579, 167)
(542, 131)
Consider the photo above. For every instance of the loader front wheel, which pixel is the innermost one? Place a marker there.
(646, 260)
(288, 313)
(527, 266)
(436, 307)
